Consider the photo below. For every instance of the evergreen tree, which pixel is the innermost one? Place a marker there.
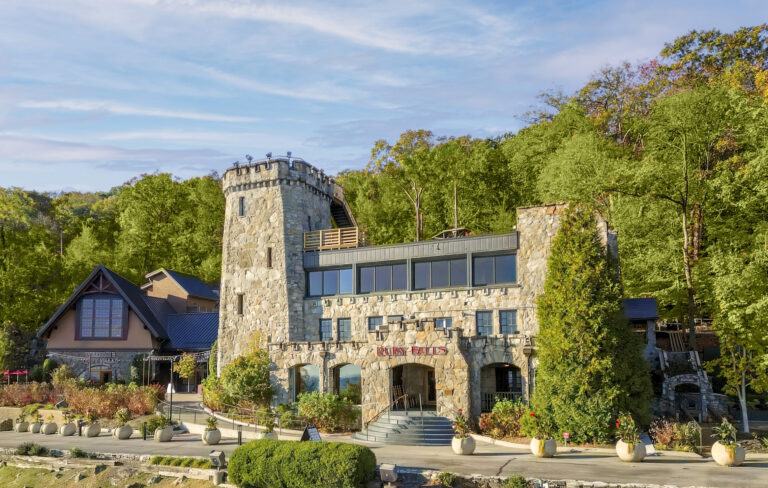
(590, 363)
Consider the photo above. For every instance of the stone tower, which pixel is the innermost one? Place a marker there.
(269, 206)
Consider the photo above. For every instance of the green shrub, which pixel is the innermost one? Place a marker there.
(214, 395)
(504, 419)
(188, 462)
(446, 479)
(267, 463)
(176, 461)
(328, 412)
(288, 417)
(155, 459)
(516, 481)
(166, 461)
(202, 464)
(32, 449)
(6, 424)
(76, 452)
(247, 378)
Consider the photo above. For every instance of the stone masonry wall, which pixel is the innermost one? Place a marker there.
(282, 200)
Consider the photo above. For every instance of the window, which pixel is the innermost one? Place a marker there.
(330, 282)
(440, 274)
(306, 379)
(326, 330)
(239, 304)
(394, 318)
(509, 379)
(241, 207)
(443, 323)
(269, 257)
(383, 278)
(101, 317)
(345, 329)
(484, 323)
(374, 323)
(489, 270)
(508, 321)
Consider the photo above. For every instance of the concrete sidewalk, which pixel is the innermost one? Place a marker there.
(487, 460)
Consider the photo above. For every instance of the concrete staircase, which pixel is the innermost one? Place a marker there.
(412, 429)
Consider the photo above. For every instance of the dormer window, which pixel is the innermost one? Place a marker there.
(101, 317)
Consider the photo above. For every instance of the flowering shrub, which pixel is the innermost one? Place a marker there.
(626, 429)
(328, 412)
(504, 419)
(106, 401)
(123, 416)
(212, 423)
(214, 396)
(668, 434)
(538, 425)
(461, 426)
(21, 394)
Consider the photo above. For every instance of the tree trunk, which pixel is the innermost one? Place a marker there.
(689, 290)
(417, 208)
(743, 403)
(455, 210)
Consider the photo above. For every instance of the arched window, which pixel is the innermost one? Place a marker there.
(306, 379)
(348, 382)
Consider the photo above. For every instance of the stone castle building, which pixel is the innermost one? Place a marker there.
(445, 323)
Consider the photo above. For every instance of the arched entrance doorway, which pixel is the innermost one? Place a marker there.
(412, 383)
(499, 381)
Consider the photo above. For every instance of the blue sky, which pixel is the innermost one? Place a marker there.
(94, 92)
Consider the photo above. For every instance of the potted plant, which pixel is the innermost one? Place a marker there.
(37, 425)
(628, 447)
(50, 427)
(211, 434)
(164, 430)
(268, 420)
(726, 451)
(462, 442)
(68, 428)
(93, 429)
(123, 431)
(22, 425)
(543, 443)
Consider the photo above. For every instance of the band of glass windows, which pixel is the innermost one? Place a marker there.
(445, 273)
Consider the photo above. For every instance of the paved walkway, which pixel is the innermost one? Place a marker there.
(488, 460)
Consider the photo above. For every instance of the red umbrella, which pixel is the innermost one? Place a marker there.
(7, 372)
(17, 372)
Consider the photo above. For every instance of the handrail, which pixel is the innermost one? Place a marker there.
(421, 414)
(378, 414)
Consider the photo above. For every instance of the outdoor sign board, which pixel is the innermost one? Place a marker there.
(310, 434)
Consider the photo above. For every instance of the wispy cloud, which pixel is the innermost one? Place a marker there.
(122, 109)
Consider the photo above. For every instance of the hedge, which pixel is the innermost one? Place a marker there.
(267, 463)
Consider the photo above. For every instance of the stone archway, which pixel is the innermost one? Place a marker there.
(413, 385)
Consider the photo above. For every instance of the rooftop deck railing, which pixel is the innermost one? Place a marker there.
(326, 239)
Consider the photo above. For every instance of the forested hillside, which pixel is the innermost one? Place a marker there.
(673, 152)
(50, 243)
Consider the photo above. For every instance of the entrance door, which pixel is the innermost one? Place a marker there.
(417, 382)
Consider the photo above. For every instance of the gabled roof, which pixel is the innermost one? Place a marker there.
(193, 286)
(130, 293)
(192, 331)
(640, 309)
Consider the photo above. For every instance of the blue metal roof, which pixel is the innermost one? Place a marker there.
(192, 331)
(194, 286)
(640, 309)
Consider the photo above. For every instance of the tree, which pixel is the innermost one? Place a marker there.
(185, 367)
(590, 365)
(409, 164)
(246, 379)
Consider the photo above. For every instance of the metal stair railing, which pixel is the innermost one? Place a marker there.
(386, 409)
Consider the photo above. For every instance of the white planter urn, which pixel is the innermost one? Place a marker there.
(728, 455)
(463, 446)
(630, 453)
(68, 429)
(266, 435)
(123, 432)
(35, 427)
(21, 426)
(545, 448)
(211, 437)
(164, 435)
(49, 429)
(93, 430)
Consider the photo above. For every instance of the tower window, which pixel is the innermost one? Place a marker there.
(239, 304)
(326, 329)
(269, 257)
(241, 207)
